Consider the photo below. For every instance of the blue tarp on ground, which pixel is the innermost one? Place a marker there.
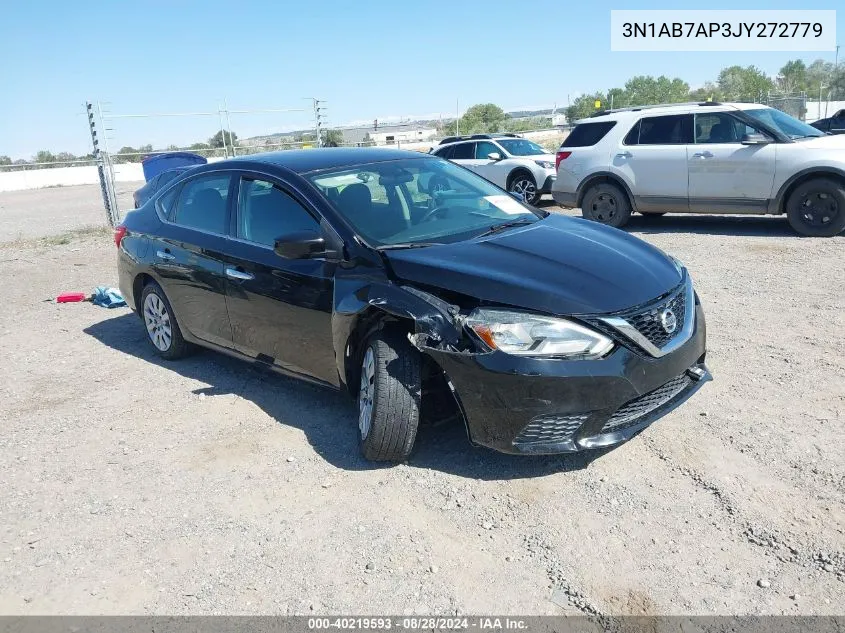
(157, 163)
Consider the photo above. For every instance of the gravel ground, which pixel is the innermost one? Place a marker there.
(132, 485)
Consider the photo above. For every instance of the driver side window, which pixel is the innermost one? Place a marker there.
(719, 127)
(483, 150)
(265, 212)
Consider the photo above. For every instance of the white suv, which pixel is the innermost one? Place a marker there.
(703, 158)
(507, 160)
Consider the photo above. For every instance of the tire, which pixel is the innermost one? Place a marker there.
(160, 323)
(607, 204)
(816, 208)
(524, 183)
(389, 398)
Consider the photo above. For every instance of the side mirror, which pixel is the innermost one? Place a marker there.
(755, 139)
(494, 156)
(300, 245)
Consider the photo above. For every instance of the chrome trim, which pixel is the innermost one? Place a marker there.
(629, 331)
(232, 273)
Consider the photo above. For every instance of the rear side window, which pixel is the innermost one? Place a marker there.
(203, 202)
(588, 134)
(446, 152)
(464, 151)
(673, 129)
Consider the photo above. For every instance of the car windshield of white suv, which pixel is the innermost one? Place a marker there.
(413, 203)
(790, 126)
(521, 147)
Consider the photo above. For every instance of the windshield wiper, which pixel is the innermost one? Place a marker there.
(496, 228)
(406, 245)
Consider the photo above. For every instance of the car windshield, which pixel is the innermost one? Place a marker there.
(408, 202)
(790, 126)
(521, 147)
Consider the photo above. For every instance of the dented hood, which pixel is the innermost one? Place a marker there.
(559, 265)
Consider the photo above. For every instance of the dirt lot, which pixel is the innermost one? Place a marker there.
(130, 485)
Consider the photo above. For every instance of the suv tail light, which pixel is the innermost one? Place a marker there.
(119, 234)
(559, 157)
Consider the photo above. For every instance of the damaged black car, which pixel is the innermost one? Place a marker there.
(421, 289)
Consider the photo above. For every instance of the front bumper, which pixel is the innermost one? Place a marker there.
(543, 406)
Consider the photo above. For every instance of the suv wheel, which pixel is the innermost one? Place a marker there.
(607, 204)
(389, 398)
(817, 208)
(522, 182)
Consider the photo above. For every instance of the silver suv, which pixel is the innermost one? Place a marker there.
(715, 158)
(514, 163)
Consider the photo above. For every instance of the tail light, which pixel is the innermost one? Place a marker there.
(561, 156)
(119, 234)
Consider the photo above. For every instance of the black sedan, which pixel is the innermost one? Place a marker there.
(418, 287)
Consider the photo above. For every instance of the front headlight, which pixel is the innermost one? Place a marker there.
(545, 164)
(523, 334)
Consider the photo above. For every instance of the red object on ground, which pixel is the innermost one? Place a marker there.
(71, 297)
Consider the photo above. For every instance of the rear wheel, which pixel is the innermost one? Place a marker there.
(161, 325)
(388, 398)
(817, 208)
(606, 203)
(523, 183)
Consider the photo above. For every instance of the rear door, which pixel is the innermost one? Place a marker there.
(653, 159)
(725, 175)
(189, 254)
(280, 309)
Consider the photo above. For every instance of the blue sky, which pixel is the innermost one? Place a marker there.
(372, 59)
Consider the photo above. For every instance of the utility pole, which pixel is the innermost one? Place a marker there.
(319, 108)
(457, 118)
(101, 168)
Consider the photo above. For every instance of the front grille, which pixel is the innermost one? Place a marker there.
(631, 413)
(648, 323)
(551, 428)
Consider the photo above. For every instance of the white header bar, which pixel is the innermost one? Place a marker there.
(723, 30)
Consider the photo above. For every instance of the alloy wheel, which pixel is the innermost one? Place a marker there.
(366, 393)
(157, 320)
(526, 187)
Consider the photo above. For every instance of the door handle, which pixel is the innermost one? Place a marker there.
(234, 273)
(165, 255)
(703, 155)
(624, 155)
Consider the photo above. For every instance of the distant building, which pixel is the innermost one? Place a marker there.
(389, 134)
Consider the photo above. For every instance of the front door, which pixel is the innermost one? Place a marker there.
(652, 159)
(280, 309)
(725, 175)
(493, 170)
(188, 255)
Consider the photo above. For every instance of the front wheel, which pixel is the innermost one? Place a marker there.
(817, 208)
(607, 204)
(524, 183)
(388, 398)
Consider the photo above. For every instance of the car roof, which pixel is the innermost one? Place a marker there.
(306, 160)
(668, 108)
(478, 137)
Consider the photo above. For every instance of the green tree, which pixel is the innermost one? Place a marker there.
(480, 118)
(196, 146)
(646, 90)
(793, 76)
(217, 139)
(584, 106)
(747, 84)
(5, 160)
(708, 91)
(332, 138)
